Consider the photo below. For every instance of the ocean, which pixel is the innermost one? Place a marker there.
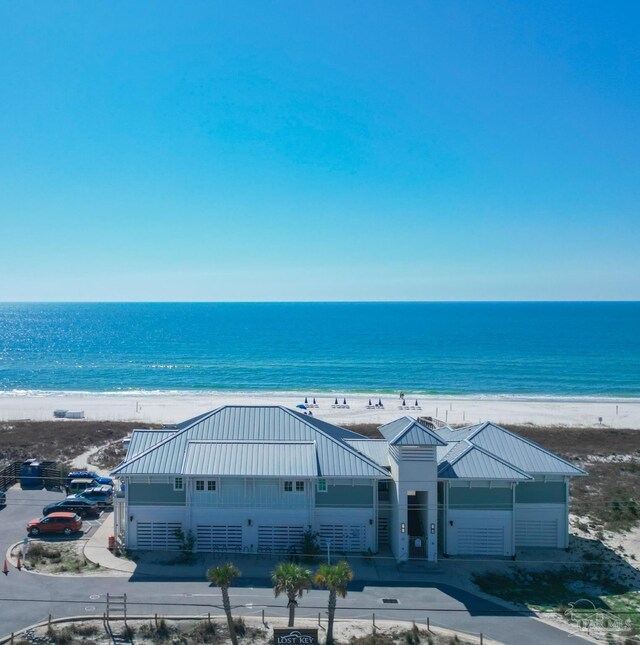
(475, 349)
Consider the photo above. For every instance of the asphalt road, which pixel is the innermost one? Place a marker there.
(27, 598)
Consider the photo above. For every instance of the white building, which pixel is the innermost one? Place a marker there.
(254, 479)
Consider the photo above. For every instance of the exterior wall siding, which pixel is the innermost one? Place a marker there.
(158, 494)
(346, 496)
(541, 493)
(500, 499)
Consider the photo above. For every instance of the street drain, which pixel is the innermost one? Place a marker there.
(390, 601)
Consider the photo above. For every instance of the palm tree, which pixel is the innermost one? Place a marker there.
(222, 576)
(335, 578)
(293, 580)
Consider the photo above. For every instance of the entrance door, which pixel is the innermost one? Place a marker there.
(417, 522)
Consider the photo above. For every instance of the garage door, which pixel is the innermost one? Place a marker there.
(279, 539)
(158, 536)
(349, 538)
(481, 540)
(212, 537)
(540, 533)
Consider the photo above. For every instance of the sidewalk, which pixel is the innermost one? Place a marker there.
(255, 567)
(96, 550)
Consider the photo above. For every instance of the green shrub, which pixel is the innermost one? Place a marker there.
(241, 627)
(204, 632)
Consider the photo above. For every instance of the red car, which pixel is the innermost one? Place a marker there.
(65, 523)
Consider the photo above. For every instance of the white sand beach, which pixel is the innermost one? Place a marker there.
(172, 407)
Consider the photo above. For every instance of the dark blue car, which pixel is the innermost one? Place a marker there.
(88, 474)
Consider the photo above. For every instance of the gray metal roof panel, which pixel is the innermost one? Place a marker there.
(466, 461)
(520, 452)
(375, 449)
(142, 440)
(455, 434)
(251, 458)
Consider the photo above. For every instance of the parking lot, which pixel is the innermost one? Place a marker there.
(25, 505)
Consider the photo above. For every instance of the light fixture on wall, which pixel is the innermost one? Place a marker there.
(403, 527)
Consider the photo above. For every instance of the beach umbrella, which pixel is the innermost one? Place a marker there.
(336, 403)
(379, 401)
(369, 401)
(305, 400)
(344, 402)
(302, 406)
(314, 400)
(416, 403)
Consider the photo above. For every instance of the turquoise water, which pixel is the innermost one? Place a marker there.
(511, 349)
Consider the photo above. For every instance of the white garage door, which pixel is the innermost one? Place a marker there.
(158, 536)
(213, 537)
(479, 533)
(537, 532)
(481, 540)
(279, 539)
(349, 538)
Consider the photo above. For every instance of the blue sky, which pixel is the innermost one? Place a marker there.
(319, 150)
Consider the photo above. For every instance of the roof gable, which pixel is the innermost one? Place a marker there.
(520, 452)
(409, 432)
(466, 461)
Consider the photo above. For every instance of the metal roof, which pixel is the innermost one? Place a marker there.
(375, 449)
(482, 451)
(455, 434)
(335, 457)
(521, 453)
(248, 458)
(466, 461)
(142, 440)
(409, 432)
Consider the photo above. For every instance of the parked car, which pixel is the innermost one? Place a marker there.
(65, 523)
(89, 474)
(83, 507)
(100, 495)
(79, 485)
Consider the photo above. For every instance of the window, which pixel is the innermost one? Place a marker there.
(211, 485)
(178, 483)
(288, 487)
(299, 487)
(199, 484)
(322, 486)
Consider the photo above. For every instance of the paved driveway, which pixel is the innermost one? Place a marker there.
(27, 598)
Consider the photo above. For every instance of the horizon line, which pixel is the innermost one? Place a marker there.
(318, 302)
